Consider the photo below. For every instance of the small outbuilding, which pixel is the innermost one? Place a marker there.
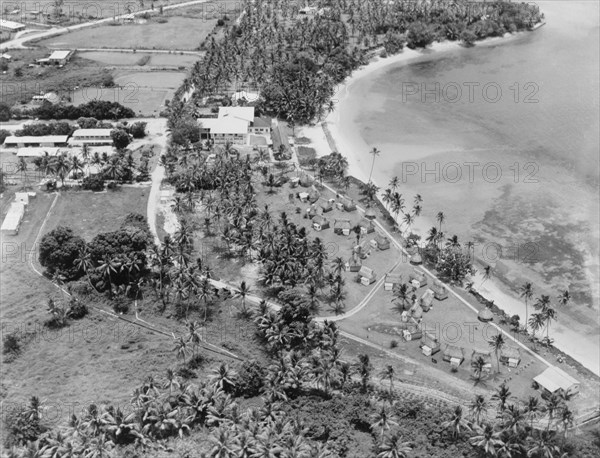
(416, 311)
(413, 332)
(426, 300)
(382, 242)
(353, 264)
(391, 281)
(13, 218)
(429, 344)
(320, 223)
(440, 292)
(313, 195)
(303, 196)
(454, 355)
(326, 206)
(419, 277)
(485, 315)
(416, 259)
(341, 226)
(511, 356)
(367, 275)
(486, 355)
(370, 213)
(305, 181)
(366, 226)
(349, 205)
(361, 250)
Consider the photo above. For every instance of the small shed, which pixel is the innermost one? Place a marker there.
(554, 380)
(426, 300)
(486, 355)
(440, 292)
(412, 333)
(361, 250)
(511, 356)
(418, 276)
(485, 315)
(349, 205)
(366, 275)
(326, 206)
(353, 264)
(319, 223)
(166, 195)
(304, 181)
(382, 242)
(429, 344)
(303, 196)
(416, 311)
(370, 213)
(392, 280)
(341, 226)
(366, 226)
(294, 181)
(454, 355)
(416, 259)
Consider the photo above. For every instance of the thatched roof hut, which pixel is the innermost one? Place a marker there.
(383, 243)
(342, 226)
(305, 181)
(429, 344)
(319, 222)
(485, 315)
(312, 211)
(419, 276)
(326, 206)
(416, 311)
(366, 226)
(392, 280)
(416, 259)
(353, 264)
(349, 205)
(367, 275)
(370, 213)
(486, 355)
(510, 356)
(426, 300)
(313, 195)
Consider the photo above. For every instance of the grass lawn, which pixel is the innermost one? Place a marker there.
(35, 80)
(90, 213)
(116, 58)
(150, 35)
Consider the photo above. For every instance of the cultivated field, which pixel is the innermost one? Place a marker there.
(150, 35)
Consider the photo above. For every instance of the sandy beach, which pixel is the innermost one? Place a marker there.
(568, 334)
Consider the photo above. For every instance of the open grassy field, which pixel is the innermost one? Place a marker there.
(132, 59)
(150, 35)
(22, 81)
(143, 92)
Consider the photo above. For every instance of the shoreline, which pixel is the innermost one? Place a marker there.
(350, 144)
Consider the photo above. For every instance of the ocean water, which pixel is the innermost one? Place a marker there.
(504, 138)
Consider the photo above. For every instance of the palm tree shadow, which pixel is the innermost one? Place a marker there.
(481, 381)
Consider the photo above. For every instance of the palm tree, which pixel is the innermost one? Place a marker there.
(440, 219)
(497, 342)
(180, 348)
(527, 294)
(106, 269)
(388, 373)
(22, 167)
(393, 447)
(382, 420)
(478, 366)
(549, 315)
(194, 335)
(478, 407)
(457, 423)
(337, 265)
(61, 166)
(536, 322)
(223, 443)
(542, 446)
(374, 152)
(564, 298)
(242, 292)
(394, 184)
(553, 403)
(501, 395)
(76, 165)
(84, 263)
(223, 377)
(566, 420)
(363, 367)
(487, 439)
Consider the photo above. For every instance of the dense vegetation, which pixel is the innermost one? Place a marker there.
(99, 109)
(296, 61)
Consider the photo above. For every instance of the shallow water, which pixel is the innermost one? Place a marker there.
(504, 139)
